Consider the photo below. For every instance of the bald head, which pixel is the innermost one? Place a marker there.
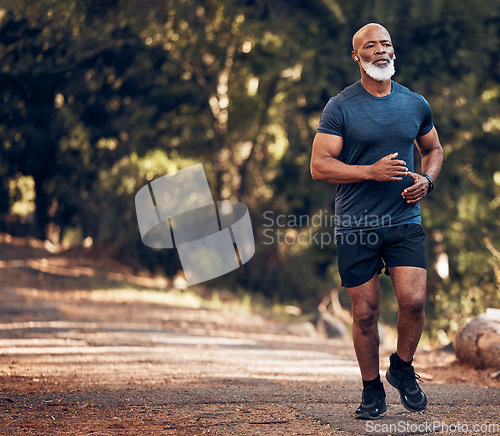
(362, 34)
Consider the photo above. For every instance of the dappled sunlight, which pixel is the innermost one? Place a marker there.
(67, 267)
(59, 347)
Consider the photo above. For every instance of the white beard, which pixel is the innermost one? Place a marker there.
(379, 73)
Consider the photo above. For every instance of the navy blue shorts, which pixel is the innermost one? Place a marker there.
(362, 254)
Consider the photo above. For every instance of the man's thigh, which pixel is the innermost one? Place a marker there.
(409, 285)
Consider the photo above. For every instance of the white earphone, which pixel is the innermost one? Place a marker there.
(355, 57)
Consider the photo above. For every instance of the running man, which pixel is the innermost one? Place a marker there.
(364, 144)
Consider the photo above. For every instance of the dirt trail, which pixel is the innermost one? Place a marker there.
(80, 362)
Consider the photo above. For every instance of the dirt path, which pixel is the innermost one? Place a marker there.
(79, 362)
(84, 363)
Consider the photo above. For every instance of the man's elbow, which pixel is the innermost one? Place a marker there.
(438, 152)
(315, 174)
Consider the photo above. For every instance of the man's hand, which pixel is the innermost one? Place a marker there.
(418, 190)
(388, 169)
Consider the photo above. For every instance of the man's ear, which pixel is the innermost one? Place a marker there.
(355, 55)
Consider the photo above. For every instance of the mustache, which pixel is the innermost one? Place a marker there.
(385, 58)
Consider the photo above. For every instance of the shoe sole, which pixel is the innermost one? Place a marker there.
(366, 415)
(393, 382)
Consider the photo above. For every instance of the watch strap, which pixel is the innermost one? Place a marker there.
(431, 182)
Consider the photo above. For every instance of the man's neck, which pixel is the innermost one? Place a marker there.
(376, 88)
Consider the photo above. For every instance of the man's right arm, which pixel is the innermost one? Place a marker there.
(326, 167)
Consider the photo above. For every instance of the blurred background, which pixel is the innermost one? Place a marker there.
(100, 96)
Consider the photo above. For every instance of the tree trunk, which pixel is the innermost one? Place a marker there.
(41, 208)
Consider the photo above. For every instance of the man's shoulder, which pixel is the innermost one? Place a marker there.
(398, 88)
(349, 92)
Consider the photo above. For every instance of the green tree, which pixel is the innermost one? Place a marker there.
(101, 97)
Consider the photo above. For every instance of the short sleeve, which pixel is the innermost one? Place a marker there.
(332, 119)
(427, 124)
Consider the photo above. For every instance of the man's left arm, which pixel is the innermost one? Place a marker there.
(432, 158)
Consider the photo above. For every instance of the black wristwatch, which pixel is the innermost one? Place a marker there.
(431, 183)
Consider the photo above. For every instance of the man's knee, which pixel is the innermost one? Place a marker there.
(414, 307)
(366, 320)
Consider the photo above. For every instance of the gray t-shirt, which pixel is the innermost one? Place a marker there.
(371, 128)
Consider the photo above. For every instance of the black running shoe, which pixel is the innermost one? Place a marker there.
(405, 381)
(372, 403)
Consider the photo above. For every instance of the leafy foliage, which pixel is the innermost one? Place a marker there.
(99, 97)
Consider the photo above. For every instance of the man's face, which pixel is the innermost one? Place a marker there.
(376, 54)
